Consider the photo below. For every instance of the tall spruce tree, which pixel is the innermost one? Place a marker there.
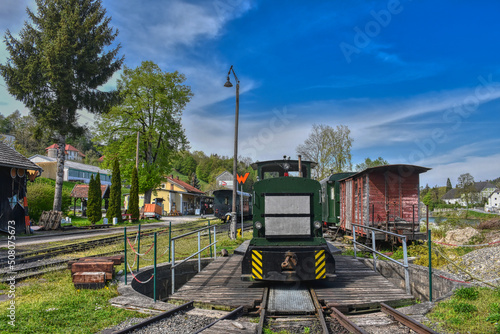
(115, 195)
(91, 200)
(56, 65)
(448, 185)
(98, 196)
(133, 204)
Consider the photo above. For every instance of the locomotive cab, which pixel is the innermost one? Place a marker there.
(287, 243)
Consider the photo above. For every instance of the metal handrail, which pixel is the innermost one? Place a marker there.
(173, 264)
(374, 251)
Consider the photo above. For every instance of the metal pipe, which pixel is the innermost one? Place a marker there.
(172, 266)
(199, 254)
(407, 270)
(139, 246)
(374, 253)
(125, 251)
(154, 273)
(429, 241)
(354, 240)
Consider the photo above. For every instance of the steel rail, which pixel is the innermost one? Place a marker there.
(227, 316)
(319, 311)
(263, 307)
(346, 323)
(405, 320)
(159, 317)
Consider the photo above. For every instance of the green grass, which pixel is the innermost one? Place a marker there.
(469, 310)
(481, 215)
(53, 305)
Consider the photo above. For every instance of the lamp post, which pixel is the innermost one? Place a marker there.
(235, 156)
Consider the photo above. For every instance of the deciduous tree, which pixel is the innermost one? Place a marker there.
(329, 147)
(368, 163)
(57, 64)
(152, 104)
(466, 188)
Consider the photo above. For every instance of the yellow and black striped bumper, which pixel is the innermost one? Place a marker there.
(257, 264)
(320, 264)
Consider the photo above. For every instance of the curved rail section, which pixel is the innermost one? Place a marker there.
(147, 322)
(405, 320)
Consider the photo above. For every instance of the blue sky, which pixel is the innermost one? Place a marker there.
(416, 81)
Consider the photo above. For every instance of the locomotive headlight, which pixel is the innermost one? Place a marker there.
(317, 225)
(258, 225)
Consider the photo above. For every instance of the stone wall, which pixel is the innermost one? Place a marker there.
(419, 279)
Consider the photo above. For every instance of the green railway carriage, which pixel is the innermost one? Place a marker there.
(330, 191)
(287, 243)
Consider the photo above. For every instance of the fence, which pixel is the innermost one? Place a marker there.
(374, 251)
(198, 232)
(180, 247)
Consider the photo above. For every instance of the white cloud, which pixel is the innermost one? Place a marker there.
(480, 167)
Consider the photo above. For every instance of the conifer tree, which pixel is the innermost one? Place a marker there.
(56, 64)
(448, 185)
(98, 196)
(91, 207)
(133, 204)
(115, 195)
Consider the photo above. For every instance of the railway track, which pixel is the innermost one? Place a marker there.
(41, 261)
(299, 310)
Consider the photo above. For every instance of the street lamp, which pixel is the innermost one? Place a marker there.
(235, 156)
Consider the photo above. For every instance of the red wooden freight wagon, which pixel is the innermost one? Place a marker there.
(384, 197)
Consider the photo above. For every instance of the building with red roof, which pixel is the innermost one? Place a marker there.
(71, 152)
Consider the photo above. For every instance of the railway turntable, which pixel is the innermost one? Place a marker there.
(356, 287)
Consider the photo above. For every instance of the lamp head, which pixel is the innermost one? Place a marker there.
(228, 83)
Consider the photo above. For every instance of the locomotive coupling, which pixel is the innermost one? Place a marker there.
(290, 261)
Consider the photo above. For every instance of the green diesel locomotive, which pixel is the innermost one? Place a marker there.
(287, 243)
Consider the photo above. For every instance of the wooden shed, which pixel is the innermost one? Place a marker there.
(15, 171)
(385, 197)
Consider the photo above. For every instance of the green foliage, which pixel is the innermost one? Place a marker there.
(448, 185)
(40, 197)
(329, 147)
(133, 205)
(152, 102)
(57, 63)
(93, 201)
(467, 293)
(461, 307)
(115, 195)
(368, 163)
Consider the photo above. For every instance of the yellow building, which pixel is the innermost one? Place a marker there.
(176, 197)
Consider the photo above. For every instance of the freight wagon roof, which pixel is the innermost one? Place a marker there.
(399, 169)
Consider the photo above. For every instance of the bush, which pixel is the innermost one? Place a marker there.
(467, 293)
(41, 198)
(464, 307)
(492, 224)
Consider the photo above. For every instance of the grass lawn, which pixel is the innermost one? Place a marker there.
(469, 310)
(53, 305)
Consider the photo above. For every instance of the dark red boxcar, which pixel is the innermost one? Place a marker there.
(385, 197)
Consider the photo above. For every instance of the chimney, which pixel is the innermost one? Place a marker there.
(171, 176)
(300, 165)
(178, 178)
